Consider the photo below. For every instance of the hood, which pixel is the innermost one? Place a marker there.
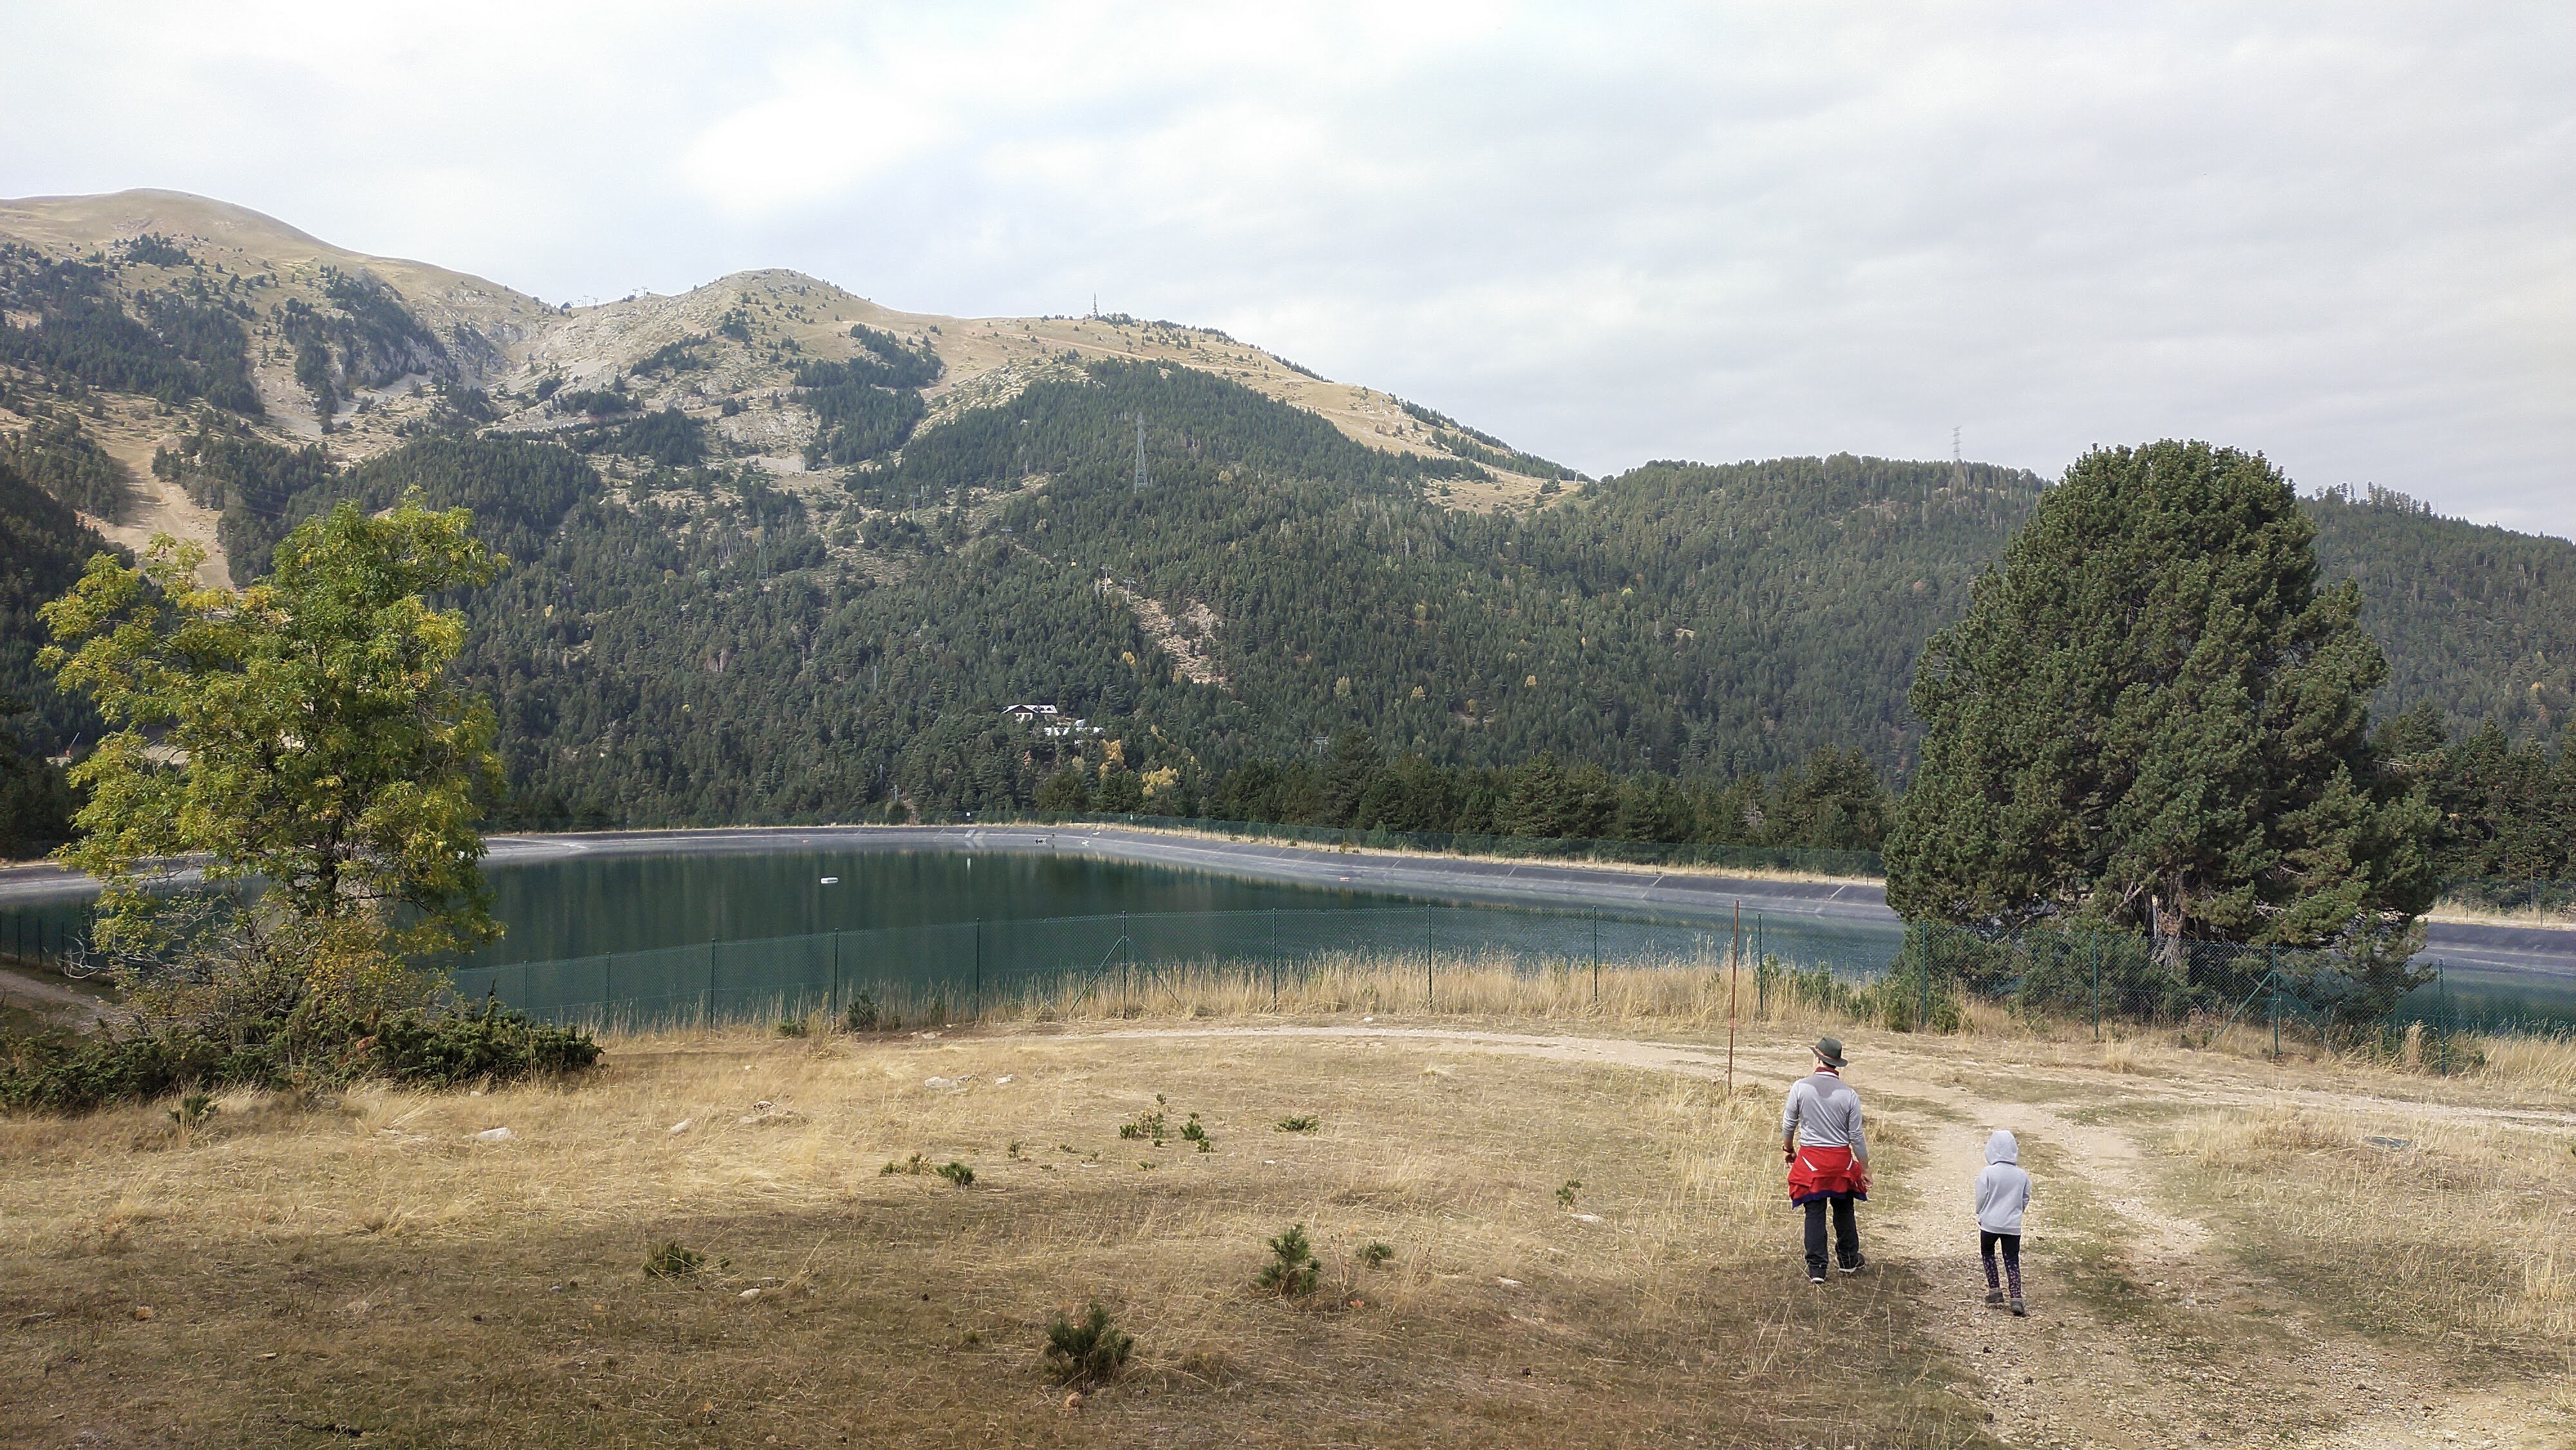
(2002, 1149)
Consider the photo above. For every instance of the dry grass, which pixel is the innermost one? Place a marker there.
(367, 1264)
(2409, 1223)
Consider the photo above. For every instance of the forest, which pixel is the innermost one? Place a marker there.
(1684, 652)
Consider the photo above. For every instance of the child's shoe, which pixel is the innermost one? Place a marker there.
(2018, 1311)
(1995, 1297)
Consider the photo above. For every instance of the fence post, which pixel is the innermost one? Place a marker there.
(2097, 983)
(707, 1004)
(1426, 956)
(1274, 956)
(2272, 974)
(834, 1005)
(1924, 1022)
(607, 987)
(1596, 956)
(979, 969)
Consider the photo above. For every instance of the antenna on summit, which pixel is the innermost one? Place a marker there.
(1143, 480)
(1958, 465)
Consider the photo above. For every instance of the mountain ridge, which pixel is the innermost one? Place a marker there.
(783, 553)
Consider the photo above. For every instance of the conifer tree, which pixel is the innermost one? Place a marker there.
(2153, 717)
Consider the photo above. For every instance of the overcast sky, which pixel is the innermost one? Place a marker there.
(2342, 234)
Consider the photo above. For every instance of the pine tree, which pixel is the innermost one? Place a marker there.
(2153, 717)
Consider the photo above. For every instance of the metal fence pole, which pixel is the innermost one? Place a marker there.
(1924, 1023)
(834, 1005)
(1274, 956)
(979, 969)
(1426, 956)
(607, 986)
(707, 1004)
(2272, 974)
(2096, 934)
(1596, 956)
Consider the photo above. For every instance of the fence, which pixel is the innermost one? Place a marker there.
(1927, 978)
(959, 968)
(2136, 981)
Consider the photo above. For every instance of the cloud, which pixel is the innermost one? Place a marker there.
(2346, 237)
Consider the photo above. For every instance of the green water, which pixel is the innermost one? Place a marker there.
(583, 906)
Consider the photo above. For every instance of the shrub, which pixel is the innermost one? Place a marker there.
(1088, 1351)
(672, 1261)
(864, 1015)
(193, 1109)
(305, 1047)
(791, 1027)
(957, 1173)
(1292, 1270)
(1565, 1193)
(1147, 1125)
(1300, 1125)
(1192, 1132)
(1376, 1255)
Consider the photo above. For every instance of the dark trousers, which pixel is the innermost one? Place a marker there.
(1986, 1250)
(1846, 1233)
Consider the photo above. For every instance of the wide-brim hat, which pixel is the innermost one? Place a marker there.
(1831, 1050)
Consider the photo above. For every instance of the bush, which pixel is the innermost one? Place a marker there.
(1089, 1351)
(957, 1173)
(865, 1016)
(1292, 1270)
(302, 1048)
(671, 1261)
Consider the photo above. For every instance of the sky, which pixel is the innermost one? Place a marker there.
(2343, 235)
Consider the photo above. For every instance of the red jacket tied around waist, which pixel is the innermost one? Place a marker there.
(1826, 1173)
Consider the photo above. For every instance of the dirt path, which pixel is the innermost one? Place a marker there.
(2144, 1330)
(49, 998)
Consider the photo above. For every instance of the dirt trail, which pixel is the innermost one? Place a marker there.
(79, 1008)
(2143, 1330)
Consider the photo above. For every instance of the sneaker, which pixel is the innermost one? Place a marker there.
(1856, 1265)
(1814, 1278)
(2018, 1311)
(1995, 1297)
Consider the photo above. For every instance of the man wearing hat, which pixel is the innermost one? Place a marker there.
(1820, 1133)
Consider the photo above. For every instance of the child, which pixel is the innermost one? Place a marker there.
(2003, 1191)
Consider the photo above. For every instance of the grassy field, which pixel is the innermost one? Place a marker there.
(1587, 1241)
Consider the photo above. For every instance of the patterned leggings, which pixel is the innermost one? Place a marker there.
(2012, 1257)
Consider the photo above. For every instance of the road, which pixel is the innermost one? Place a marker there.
(1451, 878)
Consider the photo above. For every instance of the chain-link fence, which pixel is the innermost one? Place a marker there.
(1930, 977)
(2123, 982)
(957, 970)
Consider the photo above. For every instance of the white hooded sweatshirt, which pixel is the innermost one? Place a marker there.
(2003, 1190)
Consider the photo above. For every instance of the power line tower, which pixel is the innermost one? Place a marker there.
(1144, 480)
(1958, 464)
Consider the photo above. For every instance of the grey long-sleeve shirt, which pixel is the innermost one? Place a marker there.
(1825, 1113)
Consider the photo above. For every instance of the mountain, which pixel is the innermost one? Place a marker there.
(783, 553)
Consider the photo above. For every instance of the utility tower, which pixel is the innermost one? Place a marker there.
(1143, 480)
(1958, 464)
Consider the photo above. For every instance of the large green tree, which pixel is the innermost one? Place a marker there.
(304, 734)
(2153, 717)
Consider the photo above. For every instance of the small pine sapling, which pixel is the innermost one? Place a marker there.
(1090, 1351)
(1292, 1270)
(1306, 1124)
(1376, 1256)
(1565, 1194)
(671, 1261)
(957, 1173)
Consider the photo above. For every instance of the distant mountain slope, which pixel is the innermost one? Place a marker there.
(783, 553)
